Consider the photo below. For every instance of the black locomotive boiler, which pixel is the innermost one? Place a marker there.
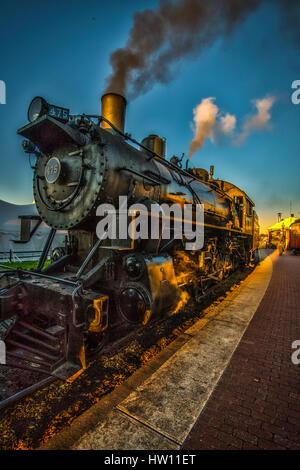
(97, 291)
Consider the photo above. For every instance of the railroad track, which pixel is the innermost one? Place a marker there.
(109, 350)
(6, 402)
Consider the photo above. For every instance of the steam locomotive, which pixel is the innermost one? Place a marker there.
(96, 291)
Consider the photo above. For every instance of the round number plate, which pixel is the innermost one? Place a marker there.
(52, 170)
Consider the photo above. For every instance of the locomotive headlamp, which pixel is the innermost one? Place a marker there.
(39, 107)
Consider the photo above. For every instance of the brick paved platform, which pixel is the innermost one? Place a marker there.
(227, 382)
(256, 404)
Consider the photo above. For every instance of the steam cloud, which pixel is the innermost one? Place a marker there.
(209, 123)
(205, 119)
(161, 37)
(258, 121)
(228, 123)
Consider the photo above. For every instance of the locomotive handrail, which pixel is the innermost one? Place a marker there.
(153, 154)
(126, 136)
(162, 179)
(40, 274)
(143, 175)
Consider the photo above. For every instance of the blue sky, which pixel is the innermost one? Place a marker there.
(60, 50)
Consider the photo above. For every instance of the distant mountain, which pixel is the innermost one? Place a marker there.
(10, 230)
(9, 215)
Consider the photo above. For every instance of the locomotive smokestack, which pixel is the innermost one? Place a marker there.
(113, 108)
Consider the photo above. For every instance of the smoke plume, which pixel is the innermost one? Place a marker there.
(228, 123)
(161, 37)
(205, 119)
(209, 123)
(178, 29)
(258, 121)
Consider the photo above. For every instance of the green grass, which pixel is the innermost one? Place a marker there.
(23, 264)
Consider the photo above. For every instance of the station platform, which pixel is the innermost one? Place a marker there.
(256, 404)
(227, 383)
